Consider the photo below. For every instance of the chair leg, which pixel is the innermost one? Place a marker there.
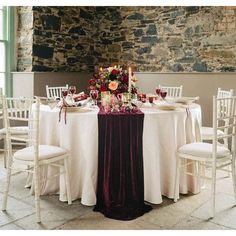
(177, 170)
(4, 153)
(234, 178)
(67, 181)
(37, 194)
(8, 180)
(213, 191)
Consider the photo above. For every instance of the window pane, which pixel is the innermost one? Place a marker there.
(2, 57)
(1, 24)
(2, 81)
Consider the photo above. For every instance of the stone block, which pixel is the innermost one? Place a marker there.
(51, 22)
(171, 21)
(128, 44)
(186, 60)
(191, 10)
(143, 50)
(42, 51)
(200, 66)
(120, 39)
(177, 67)
(138, 32)
(135, 16)
(114, 48)
(41, 68)
(149, 39)
(175, 42)
(85, 14)
(152, 30)
(77, 30)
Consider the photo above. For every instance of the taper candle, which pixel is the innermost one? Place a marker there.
(130, 75)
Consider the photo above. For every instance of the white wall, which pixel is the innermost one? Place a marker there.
(194, 84)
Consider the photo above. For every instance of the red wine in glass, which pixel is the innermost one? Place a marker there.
(64, 92)
(163, 94)
(158, 91)
(151, 99)
(94, 95)
(72, 89)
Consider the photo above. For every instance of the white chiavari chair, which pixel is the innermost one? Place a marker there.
(16, 130)
(53, 92)
(212, 155)
(34, 156)
(173, 92)
(208, 132)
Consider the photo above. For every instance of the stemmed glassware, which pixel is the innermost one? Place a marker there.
(72, 89)
(64, 93)
(163, 94)
(94, 96)
(158, 91)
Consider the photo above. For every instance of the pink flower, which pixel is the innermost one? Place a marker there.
(113, 85)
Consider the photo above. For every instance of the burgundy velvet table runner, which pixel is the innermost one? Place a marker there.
(120, 187)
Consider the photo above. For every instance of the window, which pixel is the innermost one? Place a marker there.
(6, 47)
(2, 49)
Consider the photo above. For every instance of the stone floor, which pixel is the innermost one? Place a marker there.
(190, 212)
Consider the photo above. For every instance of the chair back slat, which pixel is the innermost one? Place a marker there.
(224, 118)
(224, 93)
(173, 92)
(53, 92)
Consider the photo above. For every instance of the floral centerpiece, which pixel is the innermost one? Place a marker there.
(114, 79)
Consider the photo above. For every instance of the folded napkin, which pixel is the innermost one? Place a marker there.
(186, 100)
(81, 96)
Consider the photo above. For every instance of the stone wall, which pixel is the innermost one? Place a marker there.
(25, 38)
(62, 39)
(168, 39)
(155, 39)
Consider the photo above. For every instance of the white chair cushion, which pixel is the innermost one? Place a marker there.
(45, 152)
(203, 150)
(17, 130)
(208, 133)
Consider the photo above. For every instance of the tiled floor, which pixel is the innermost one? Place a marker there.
(190, 212)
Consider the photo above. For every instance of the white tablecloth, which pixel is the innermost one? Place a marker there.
(164, 132)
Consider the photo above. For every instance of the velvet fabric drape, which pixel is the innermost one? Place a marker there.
(120, 187)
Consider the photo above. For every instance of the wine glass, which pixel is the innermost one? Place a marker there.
(94, 96)
(64, 92)
(143, 98)
(72, 89)
(151, 99)
(163, 94)
(158, 91)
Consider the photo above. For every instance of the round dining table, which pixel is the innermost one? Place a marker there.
(164, 131)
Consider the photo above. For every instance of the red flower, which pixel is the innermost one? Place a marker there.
(115, 72)
(103, 87)
(92, 82)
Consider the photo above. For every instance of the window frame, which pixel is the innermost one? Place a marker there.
(9, 44)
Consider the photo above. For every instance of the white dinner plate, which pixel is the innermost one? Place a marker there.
(166, 107)
(77, 109)
(186, 100)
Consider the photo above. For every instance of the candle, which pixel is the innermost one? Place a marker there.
(130, 75)
(100, 69)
